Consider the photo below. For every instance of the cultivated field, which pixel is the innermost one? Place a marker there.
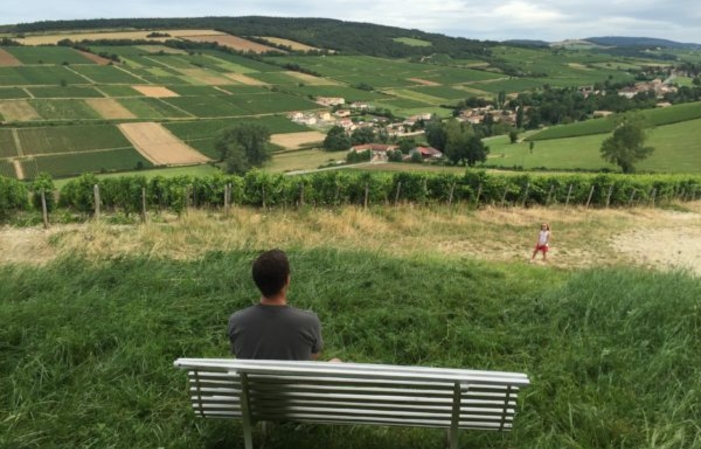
(293, 141)
(52, 39)
(8, 60)
(18, 111)
(155, 91)
(109, 108)
(233, 42)
(292, 44)
(159, 146)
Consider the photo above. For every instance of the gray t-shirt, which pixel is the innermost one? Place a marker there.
(274, 332)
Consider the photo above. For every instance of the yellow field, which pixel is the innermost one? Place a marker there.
(292, 44)
(44, 39)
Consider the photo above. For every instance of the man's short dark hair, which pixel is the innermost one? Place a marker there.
(270, 272)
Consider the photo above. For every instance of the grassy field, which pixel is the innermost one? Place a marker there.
(107, 75)
(88, 162)
(9, 93)
(47, 55)
(287, 161)
(677, 150)
(61, 139)
(64, 109)
(651, 117)
(64, 92)
(412, 42)
(94, 323)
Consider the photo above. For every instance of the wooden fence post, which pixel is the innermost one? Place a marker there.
(503, 196)
(479, 194)
(425, 187)
(44, 210)
(608, 197)
(630, 201)
(337, 195)
(525, 195)
(262, 190)
(301, 194)
(396, 196)
(550, 193)
(591, 193)
(227, 198)
(569, 193)
(367, 194)
(96, 195)
(450, 196)
(653, 194)
(143, 204)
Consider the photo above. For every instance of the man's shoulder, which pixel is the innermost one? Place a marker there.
(308, 314)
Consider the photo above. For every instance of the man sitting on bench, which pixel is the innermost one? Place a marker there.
(272, 329)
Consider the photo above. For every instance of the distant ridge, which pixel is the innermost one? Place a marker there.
(648, 42)
(528, 42)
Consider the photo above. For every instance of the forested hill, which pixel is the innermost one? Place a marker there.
(346, 37)
(646, 42)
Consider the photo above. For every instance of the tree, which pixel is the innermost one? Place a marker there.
(626, 146)
(435, 134)
(337, 140)
(513, 136)
(361, 136)
(243, 146)
(463, 145)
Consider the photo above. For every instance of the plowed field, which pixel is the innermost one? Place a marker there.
(159, 146)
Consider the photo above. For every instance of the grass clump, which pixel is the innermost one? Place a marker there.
(86, 349)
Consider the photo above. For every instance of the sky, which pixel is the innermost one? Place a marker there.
(549, 20)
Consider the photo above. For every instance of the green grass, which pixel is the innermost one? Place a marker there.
(169, 172)
(89, 347)
(66, 109)
(302, 160)
(61, 139)
(270, 103)
(348, 93)
(65, 92)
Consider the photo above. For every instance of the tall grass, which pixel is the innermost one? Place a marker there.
(86, 349)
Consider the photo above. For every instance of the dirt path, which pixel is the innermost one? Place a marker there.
(582, 238)
(19, 172)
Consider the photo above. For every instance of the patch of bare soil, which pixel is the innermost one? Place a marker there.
(95, 58)
(234, 42)
(674, 243)
(159, 146)
(7, 60)
(424, 82)
(18, 111)
(243, 79)
(109, 108)
(293, 141)
(156, 91)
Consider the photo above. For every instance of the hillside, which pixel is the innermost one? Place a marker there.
(646, 42)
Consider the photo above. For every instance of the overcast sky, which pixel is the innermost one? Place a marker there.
(550, 20)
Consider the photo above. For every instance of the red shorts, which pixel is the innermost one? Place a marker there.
(543, 248)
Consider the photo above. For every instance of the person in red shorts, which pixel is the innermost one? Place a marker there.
(543, 242)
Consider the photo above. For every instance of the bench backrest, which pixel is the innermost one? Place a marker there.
(353, 393)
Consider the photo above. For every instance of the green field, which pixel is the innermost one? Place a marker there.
(7, 143)
(412, 42)
(119, 91)
(151, 108)
(348, 93)
(197, 91)
(651, 117)
(206, 106)
(677, 150)
(107, 74)
(90, 162)
(287, 161)
(64, 92)
(62, 139)
(11, 93)
(7, 169)
(38, 76)
(270, 103)
(67, 109)
(47, 55)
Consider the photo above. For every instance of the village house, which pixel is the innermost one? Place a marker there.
(379, 150)
(342, 113)
(360, 105)
(330, 101)
(602, 113)
(428, 153)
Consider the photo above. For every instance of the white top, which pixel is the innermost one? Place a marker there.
(543, 237)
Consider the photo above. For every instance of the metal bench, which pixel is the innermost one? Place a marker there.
(352, 393)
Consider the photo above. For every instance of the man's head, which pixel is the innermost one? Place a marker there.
(271, 271)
